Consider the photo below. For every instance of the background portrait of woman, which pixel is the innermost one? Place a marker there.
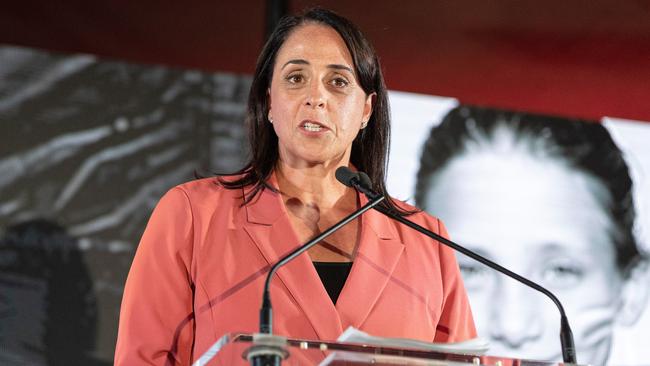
(551, 199)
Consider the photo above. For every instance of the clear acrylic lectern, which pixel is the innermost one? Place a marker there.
(231, 350)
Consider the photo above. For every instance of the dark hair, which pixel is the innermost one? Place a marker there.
(42, 250)
(584, 145)
(370, 147)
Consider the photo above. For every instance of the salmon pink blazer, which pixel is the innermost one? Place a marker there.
(199, 271)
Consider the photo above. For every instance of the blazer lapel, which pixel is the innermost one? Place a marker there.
(380, 249)
(269, 227)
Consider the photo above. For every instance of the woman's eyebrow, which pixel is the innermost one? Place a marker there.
(305, 62)
(340, 67)
(295, 62)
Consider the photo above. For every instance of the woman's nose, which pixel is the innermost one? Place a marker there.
(516, 319)
(315, 96)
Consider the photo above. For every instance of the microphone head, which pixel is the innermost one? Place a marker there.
(345, 175)
(364, 180)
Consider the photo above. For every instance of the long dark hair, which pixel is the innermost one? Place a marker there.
(584, 145)
(371, 146)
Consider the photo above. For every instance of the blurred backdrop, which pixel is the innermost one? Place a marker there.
(106, 105)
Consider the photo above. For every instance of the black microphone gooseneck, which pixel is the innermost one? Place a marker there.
(266, 312)
(362, 183)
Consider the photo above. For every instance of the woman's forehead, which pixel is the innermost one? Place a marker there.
(519, 198)
(316, 44)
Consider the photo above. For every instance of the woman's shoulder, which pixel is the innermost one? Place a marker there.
(205, 189)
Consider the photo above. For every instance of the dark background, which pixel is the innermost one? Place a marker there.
(588, 58)
(89, 146)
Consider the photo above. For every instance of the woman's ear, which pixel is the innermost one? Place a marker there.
(367, 108)
(634, 295)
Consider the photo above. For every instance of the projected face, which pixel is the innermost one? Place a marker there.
(546, 222)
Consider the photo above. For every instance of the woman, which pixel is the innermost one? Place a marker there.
(550, 199)
(317, 102)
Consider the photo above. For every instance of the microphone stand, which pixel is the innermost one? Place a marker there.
(361, 182)
(267, 349)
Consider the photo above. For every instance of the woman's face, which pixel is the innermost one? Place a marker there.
(316, 103)
(546, 222)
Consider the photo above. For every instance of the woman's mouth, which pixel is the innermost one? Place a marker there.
(312, 126)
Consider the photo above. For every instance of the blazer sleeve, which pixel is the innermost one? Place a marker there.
(456, 322)
(156, 317)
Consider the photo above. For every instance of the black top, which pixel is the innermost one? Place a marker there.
(333, 276)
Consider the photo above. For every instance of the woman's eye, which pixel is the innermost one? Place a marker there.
(295, 78)
(475, 276)
(562, 274)
(339, 82)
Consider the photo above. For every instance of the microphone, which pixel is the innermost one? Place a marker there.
(358, 180)
(362, 183)
(268, 352)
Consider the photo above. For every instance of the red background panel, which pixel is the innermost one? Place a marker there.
(574, 58)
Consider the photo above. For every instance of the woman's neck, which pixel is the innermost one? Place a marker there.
(314, 201)
(314, 186)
